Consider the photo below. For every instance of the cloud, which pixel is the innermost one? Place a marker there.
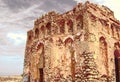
(16, 38)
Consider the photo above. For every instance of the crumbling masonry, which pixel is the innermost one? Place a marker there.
(81, 45)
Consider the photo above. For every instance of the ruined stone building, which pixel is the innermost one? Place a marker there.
(81, 45)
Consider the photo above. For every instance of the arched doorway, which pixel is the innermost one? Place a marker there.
(117, 61)
(40, 48)
(68, 43)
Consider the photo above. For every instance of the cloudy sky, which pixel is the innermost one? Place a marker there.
(16, 18)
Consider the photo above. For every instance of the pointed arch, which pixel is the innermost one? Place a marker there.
(70, 26)
(79, 20)
(48, 28)
(62, 25)
(36, 33)
(68, 40)
(104, 52)
(68, 43)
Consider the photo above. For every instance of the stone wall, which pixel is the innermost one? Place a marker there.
(77, 46)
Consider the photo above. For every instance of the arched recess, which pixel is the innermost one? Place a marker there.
(62, 25)
(112, 29)
(36, 33)
(70, 26)
(79, 21)
(40, 49)
(29, 37)
(117, 61)
(48, 26)
(104, 53)
(42, 32)
(115, 30)
(68, 43)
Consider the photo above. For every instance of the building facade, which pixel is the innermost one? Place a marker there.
(81, 45)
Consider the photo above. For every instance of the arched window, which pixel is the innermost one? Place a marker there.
(117, 61)
(36, 33)
(48, 26)
(103, 52)
(70, 26)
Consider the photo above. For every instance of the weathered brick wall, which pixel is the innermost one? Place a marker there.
(77, 46)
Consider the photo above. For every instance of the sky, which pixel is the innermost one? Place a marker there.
(17, 17)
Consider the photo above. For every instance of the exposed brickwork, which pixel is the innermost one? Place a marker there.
(77, 46)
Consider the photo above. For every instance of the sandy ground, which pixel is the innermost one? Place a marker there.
(10, 78)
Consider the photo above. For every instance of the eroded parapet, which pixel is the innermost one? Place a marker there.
(54, 23)
(60, 26)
